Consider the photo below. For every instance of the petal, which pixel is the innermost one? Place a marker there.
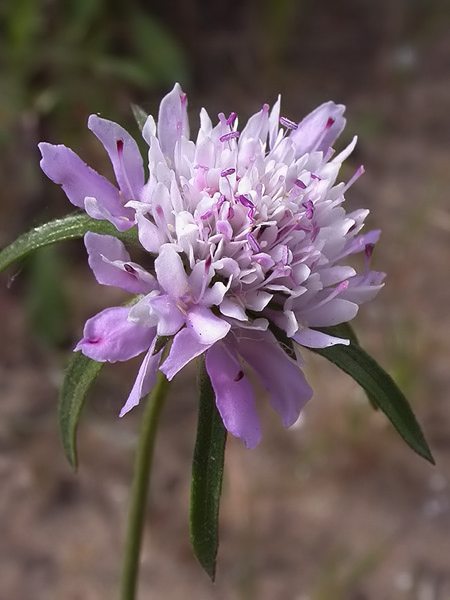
(97, 210)
(172, 120)
(358, 243)
(332, 313)
(257, 300)
(185, 347)
(110, 337)
(316, 339)
(319, 129)
(335, 274)
(207, 326)
(123, 153)
(215, 294)
(168, 316)
(233, 309)
(145, 379)
(149, 129)
(66, 168)
(110, 263)
(170, 272)
(279, 374)
(234, 395)
(274, 122)
(257, 126)
(150, 236)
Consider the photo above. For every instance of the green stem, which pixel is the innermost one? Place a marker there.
(142, 470)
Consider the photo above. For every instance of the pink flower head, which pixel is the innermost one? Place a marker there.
(246, 228)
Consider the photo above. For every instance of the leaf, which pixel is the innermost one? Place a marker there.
(80, 375)
(207, 475)
(345, 330)
(140, 115)
(68, 228)
(380, 387)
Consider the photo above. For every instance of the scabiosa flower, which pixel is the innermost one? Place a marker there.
(246, 232)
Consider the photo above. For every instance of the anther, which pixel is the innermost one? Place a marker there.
(229, 136)
(227, 172)
(253, 243)
(309, 209)
(288, 123)
(231, 119)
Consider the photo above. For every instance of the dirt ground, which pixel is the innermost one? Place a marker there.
(337, 508)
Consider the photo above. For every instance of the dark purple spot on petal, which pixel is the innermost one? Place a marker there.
(129, 269)
(368, 250)
(239, 376)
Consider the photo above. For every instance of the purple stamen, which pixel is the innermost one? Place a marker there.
(206, 215)
(288, 123)
(229, 136)
(119, 144)
(330, 122)
(248, 204)
(299, 183)
(227, 172)
(231, 119)
(357, 174)
(220, 202)
(314, 176)
(309, 209)
(253, 243)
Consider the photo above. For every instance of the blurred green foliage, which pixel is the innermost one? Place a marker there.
(59, 62)
(47, 301)
(61, 58)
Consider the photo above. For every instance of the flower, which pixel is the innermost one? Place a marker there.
(246, 232)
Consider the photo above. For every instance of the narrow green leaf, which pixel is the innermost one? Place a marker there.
(140, 115)
(80, 375)
(380, 387)
(68, 228)
(207, 475)
(345, 330)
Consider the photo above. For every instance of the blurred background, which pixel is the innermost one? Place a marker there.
(337, 508)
